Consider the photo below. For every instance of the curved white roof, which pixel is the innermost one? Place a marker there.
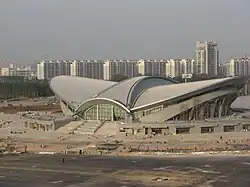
(77, 89)
(134, 93)
(127, 90)
(167, 92)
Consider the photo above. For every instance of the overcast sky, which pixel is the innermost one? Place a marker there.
(120, 29)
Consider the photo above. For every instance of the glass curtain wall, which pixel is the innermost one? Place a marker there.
(105, 112)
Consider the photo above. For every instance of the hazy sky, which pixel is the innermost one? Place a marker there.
(120, 29)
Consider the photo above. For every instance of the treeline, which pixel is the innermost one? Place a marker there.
(24, 88)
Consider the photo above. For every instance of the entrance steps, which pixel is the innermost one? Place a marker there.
(70, 127)
(89, 127)
(108, 128)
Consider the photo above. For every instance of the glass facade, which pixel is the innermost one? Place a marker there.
(104, 112)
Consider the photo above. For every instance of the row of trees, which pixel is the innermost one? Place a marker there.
(32, 88)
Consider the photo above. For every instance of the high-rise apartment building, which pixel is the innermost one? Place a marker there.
(178, 67)
(222, 70)
(123, 67)
(152, 67)
(52, 68)
(87, 68)
(207, 58)
(237, 67)
(173, 68)
(187, 66)
(98, 69)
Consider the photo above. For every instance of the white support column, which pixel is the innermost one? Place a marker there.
(221, 107)
(97, 112)
(212, 110)
(191, 114)
(202, 111)
(226, 103)
(112, 113)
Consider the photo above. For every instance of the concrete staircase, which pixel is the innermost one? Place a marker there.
(89, 127)
(70, 127)
(108, 128)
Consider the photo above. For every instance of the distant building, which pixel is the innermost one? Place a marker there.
(123, 67)
(13, 66)
(87, 68)
(238, 67)
(99, 69)
(52, 68)
(187, 66)
(173, 68)
(222, 70)
(152, 67)
(4, 71)
(178, 67)
(207, 58)
(22, 72)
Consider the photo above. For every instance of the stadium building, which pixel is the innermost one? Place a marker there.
(146, 99)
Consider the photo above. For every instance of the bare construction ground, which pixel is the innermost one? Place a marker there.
(96, 171)
(36, 142)
(32, 104)
(39, 141)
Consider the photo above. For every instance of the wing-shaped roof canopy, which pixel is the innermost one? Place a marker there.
(167, 92)
(77, 89)
(134, 93)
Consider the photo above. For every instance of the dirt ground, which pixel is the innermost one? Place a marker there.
(15, 109)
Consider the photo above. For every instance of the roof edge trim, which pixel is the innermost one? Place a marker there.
(85, 105)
